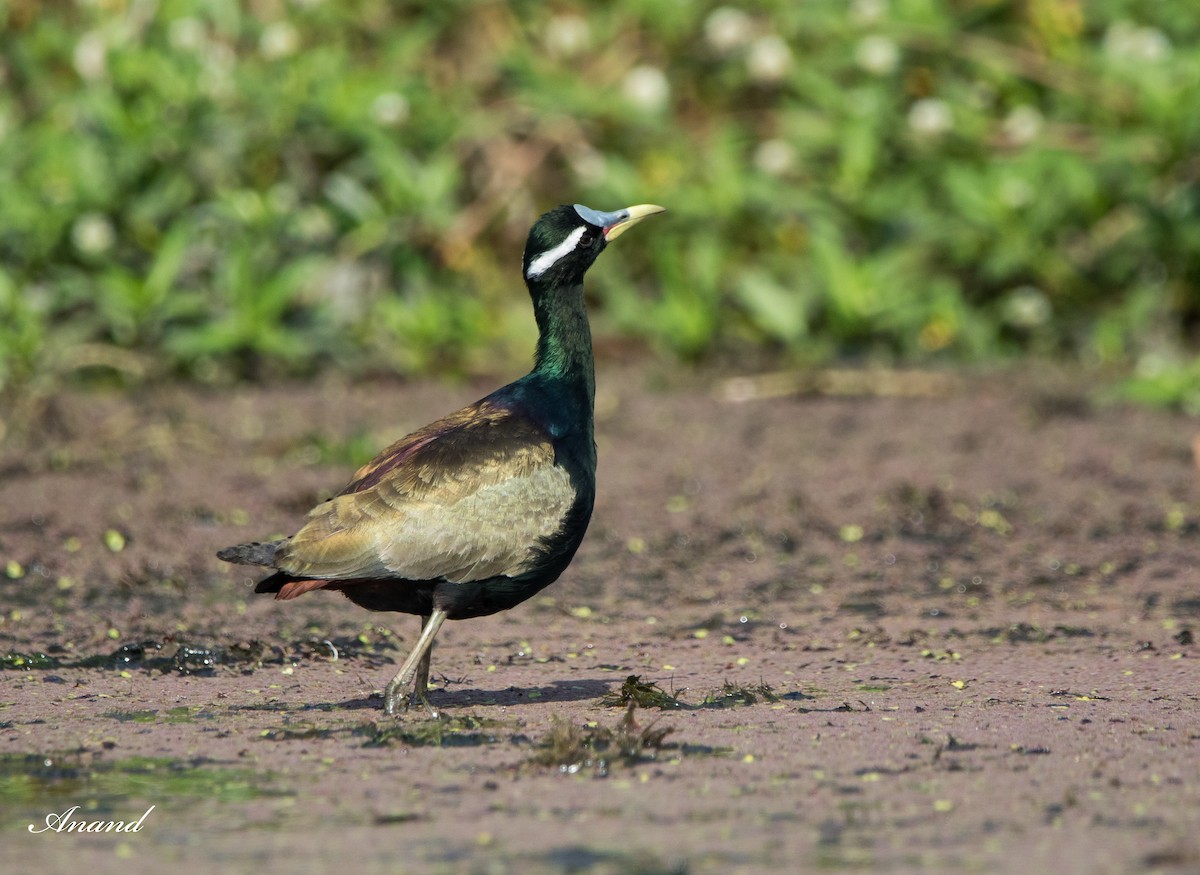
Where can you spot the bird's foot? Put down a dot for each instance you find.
(395, 702)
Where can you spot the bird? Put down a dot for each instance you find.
(478, 511)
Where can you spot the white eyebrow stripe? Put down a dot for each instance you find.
(547, 259)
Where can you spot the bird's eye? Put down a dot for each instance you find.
(586, 240)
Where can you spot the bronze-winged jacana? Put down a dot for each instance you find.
(478, 511)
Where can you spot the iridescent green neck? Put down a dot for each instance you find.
(564, 348)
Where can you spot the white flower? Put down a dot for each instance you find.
(646, 88)
(768, 58)
(567, 35)
(877, 54)
(91, 56)
(187, 34)
(217, 75)
(314, 224)
(930, 117)
(344, 285)
(868, 11)
(390, 109)
(775, 157)
(727, 29)
(279, 40)
(1154, 363)
(92, 234)
(1022, 125)
(1026, 307)
(1126, 41)
(1152, 44)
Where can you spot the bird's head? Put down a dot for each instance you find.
(564, 242)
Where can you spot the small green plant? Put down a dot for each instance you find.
(572, 748)
(734, 695)
(643, 694)
(137, 309)
(259, 317)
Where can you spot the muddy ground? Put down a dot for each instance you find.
(950, 633)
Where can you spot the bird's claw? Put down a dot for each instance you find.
(417, 698)
(395, 703)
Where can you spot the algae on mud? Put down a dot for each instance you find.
(31, 785)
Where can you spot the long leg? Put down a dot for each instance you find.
(411, 669)
(421, 683)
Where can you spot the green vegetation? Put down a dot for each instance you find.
(33, 785)
(734, 695)
(221, 190)
(643, 694)
(597, 748)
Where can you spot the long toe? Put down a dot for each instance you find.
(419, 699)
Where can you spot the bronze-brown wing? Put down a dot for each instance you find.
(462, 428)
(469, 497)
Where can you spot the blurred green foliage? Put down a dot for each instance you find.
(223, 189)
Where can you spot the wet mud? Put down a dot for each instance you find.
(945, 633)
